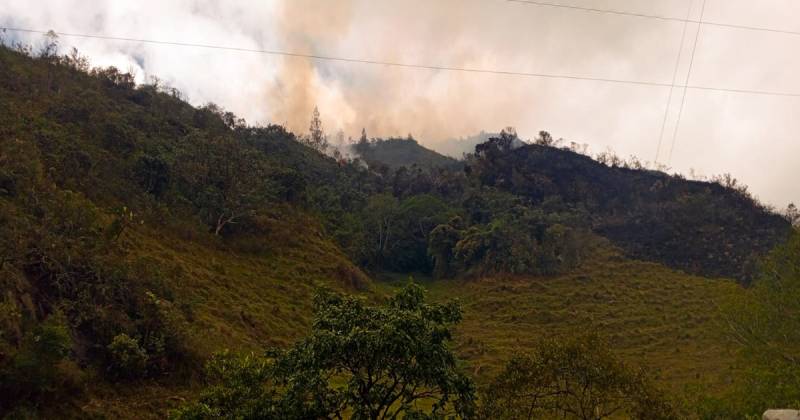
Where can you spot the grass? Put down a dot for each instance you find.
(242, 301)
(653, 316)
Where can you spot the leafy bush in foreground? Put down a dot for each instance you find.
(578, 378)
(361, 361)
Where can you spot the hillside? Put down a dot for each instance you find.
(397, 153)
(139, 235)
(99, 240)
(654, 316)
(701, 227)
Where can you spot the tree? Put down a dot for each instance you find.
(153, 174)
(49, 50)
(316, 136)
(545, 139)
(225, 180)
(792, 215)
(763, 321)
(577, 378)
(516, 240)
(362, 146)
(490, 163)
(360, 361)
(443, 239)
(33, 370)
(416, 217)
(765, 325)
(380, 219)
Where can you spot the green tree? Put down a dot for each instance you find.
(128, 359)
(417, 216)
(33, 371)
(380, 219)
(443, 239)
(765, 324)
(225, 179)
(577, 378)
(153, 174)
(360, 361)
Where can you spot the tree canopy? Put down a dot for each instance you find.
(764, 325)
(360, 361)
(577, 378)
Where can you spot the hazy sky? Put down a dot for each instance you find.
(756, 138)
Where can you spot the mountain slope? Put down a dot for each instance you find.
(396, 153)
(108, 199)
(134, 226)
(702, 227)
(653, 316)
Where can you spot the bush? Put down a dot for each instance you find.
(577, 378)
(32, 373)
(519, 241)
(360, 361)
(764, 326)
(127, 359)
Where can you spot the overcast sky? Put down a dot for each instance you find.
(756, 138)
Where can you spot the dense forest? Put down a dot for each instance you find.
(134, 225)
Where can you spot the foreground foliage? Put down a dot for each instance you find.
(360, 361)
(578, 378)
(765, 325)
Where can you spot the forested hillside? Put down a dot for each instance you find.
(140, 236)
(711, 228)
(137, 232)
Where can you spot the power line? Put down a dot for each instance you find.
(409, 65)
(657, 17)
(688, 76)
(348, 60)
(596, 10)
(748, 28)
(674, 79)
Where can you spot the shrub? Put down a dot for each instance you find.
(577, 378)
(127, 359)
(32, 373)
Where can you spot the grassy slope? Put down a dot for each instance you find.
(239, 301)
(655, 317)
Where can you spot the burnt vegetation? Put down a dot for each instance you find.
(715, 229)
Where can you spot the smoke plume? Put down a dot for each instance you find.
(719, 132)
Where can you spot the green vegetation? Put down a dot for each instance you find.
(651, 316)
(578, 379)
(519, 240)
(764, 324)
(139, 236)
(359, 362)
(126, 216)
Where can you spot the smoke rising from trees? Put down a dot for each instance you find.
(719, 132)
